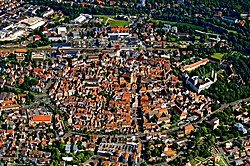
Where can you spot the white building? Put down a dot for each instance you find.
(48, 13)
(82, 18)
(198, 83)
(61, 30)
(2, 34)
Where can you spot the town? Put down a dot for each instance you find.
(120, 89)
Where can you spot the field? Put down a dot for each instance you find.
(112, 22)
(104, 17)
(218, 56)
(222, 162)
(232, 31)
(115, 22)
(197, 37)
(178, 23)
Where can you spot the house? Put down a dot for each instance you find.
(180, 112)
(188, 129)
(38, 56)
(76, 35)
(229, 145)
(125, 157)
(7, 96)
(20, 52)
(238, 162)
(2, 81)
(61, 30)
(229, 19)
(72, 53)
(36, 37)
(240, 127)
(75, 149)
(244, 14)
(20, 58)
(215, 122)
(40, 118)
(67, 148)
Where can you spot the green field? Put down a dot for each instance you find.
(177, 23)
(118, 22)
(104, 17)
(232, 31)
(218, 56)
(197, 37)
(222, 161)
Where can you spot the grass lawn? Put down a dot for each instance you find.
(173, 39)
(201, 158)
(118, 22)
(218, 56)
(222, 162)
(178, 23)
(104, 17)
(233, 31)
(193, 162)
(197, 37)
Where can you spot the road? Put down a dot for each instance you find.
(223, 106)
(77, 48)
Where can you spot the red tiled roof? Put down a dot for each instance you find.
(20, 50)
(41, 118)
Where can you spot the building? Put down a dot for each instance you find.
(40, 118)
(3, 34)
(215, 122)
(230, 19)
(61, 45)
(61, 30)
(38, 56)
(199, 83)
(240, 127)
(67, 148)
(195, 65)
(188, 129)
(33, 22)
(81, 18)
(48, 13)
(7, 96)
(20, 52)
(36, 37)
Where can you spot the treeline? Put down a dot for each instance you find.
(239, 41)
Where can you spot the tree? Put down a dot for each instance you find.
(155, 152)
(61, 146)
(175, 118)
(31, 97)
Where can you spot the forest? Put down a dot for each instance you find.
(231, 89)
